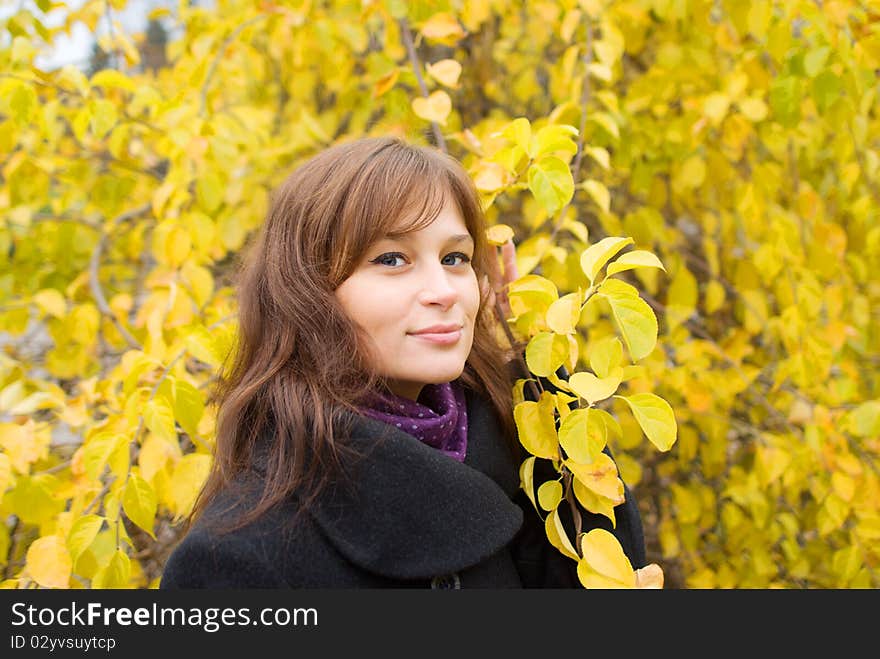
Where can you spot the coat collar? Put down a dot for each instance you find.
(415, 513)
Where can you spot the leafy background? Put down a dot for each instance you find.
(736, 140)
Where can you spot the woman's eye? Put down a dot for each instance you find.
(458, 255)
(387, 259)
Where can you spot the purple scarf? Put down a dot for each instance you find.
(438, 418)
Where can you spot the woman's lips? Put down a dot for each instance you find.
(441, 338)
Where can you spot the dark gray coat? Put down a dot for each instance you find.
(416, 518)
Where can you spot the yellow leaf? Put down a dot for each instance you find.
(435, 107)
(714, 296)
(599, 476)
(715, 107)
(115, 574)
(518, 131)
(607, 122)
(593, 389)
(113, 79)
(634, 318)
(98, 449)
(499, 234)
(600, 155)
(527, 478)
(201, 344)
(49, 563)
(655, 417)
(446, 72)
(139, 503)
(636, 259)
(557, 536)
(605, 355)
(562, 315)
(489, 176)
(596, 256)
(159, 418)
(443, 27)
(594, 502)
(598, 193)
(200, 281)
(534, 284)
(536, 426)
(23, 444)
(582, 435)
(52, 302)
(549, 495)
(553, 138)
(600, 71)
(189, 406)
(753, 108)
(691, 174)
(187, 480)
(6, 478)
(550, 180)
(650, 576)
(83, 533)
(545, 353)
(604, 556)
(102, 117)
(386, 82)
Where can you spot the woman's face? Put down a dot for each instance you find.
(404, 286)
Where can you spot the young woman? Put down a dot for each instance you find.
(365, 435)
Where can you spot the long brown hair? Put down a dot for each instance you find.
(300, 364)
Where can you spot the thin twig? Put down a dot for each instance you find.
(414, 60)
(585, 98)
(216, 61)
(94, 282)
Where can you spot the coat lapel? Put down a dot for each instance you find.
(412, 512)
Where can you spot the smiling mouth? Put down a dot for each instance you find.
(441, 338)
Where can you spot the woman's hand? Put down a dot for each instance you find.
(495, 284)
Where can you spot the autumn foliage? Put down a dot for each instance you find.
(692, 185)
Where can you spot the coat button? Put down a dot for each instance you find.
(446, 582)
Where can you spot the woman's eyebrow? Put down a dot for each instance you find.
(405, 238)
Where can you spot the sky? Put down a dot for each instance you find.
(76, 48)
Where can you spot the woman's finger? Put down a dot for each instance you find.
(508, 257)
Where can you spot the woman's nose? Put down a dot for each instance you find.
(438, 288)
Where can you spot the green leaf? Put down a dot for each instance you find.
(785, 99)
(596, 256)
(634, 318)
(655, 417)
(551, 182)
(139, 503)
